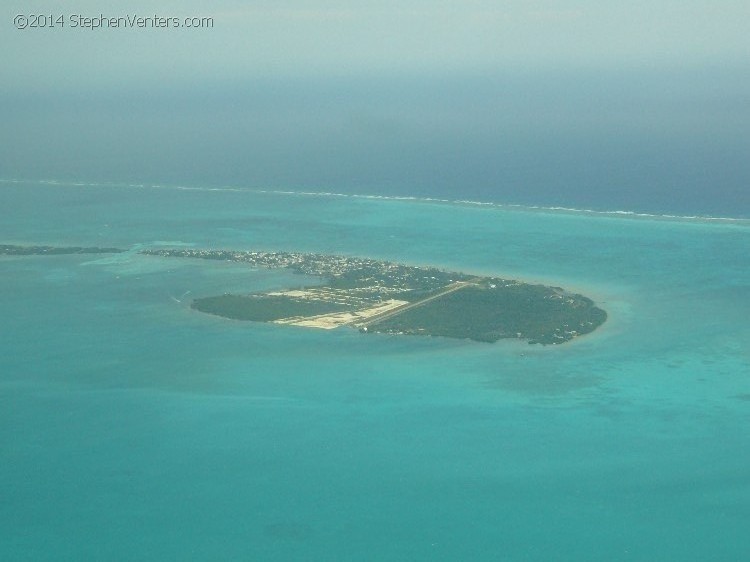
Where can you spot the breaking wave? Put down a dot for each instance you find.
(434, 200)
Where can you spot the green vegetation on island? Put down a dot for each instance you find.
(488, 311)
(263, 308)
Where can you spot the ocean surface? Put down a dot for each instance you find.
(133, 428)
(651, 139)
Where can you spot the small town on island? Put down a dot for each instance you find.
(376, 296)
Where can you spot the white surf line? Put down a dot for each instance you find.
(182, 296)
(503, 206)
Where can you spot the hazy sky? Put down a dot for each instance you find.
(278, 37)
(567, 102)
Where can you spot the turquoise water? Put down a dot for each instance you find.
(132, 428)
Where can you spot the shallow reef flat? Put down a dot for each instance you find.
(13, 250)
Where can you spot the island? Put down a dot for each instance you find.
(377, 296)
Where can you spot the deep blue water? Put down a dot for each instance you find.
(132, 428)
(665, 140)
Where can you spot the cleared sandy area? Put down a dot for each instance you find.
(336, 319)
(293, 293)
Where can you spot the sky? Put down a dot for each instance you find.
(345, 37)
(517, 101)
